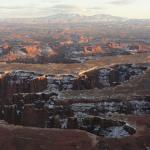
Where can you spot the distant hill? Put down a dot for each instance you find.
(82, 18)
(75, 18)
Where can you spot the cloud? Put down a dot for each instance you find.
(96, 8)
(121, 2)
(45, 9)
(65, 7)
(62, 8)
(15, 8)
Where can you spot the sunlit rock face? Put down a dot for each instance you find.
(92, 50)
(106, 77)
(32, 51)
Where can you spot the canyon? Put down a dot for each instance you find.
(65, 103)
(72, 82)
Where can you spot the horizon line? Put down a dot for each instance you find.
(45, 16)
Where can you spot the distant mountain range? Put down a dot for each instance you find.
(75, 18)
(82, 18)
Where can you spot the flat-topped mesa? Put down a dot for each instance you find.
(31, 82)
(107, 77)
(21, 82)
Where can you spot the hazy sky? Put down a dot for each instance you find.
(38, 8)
